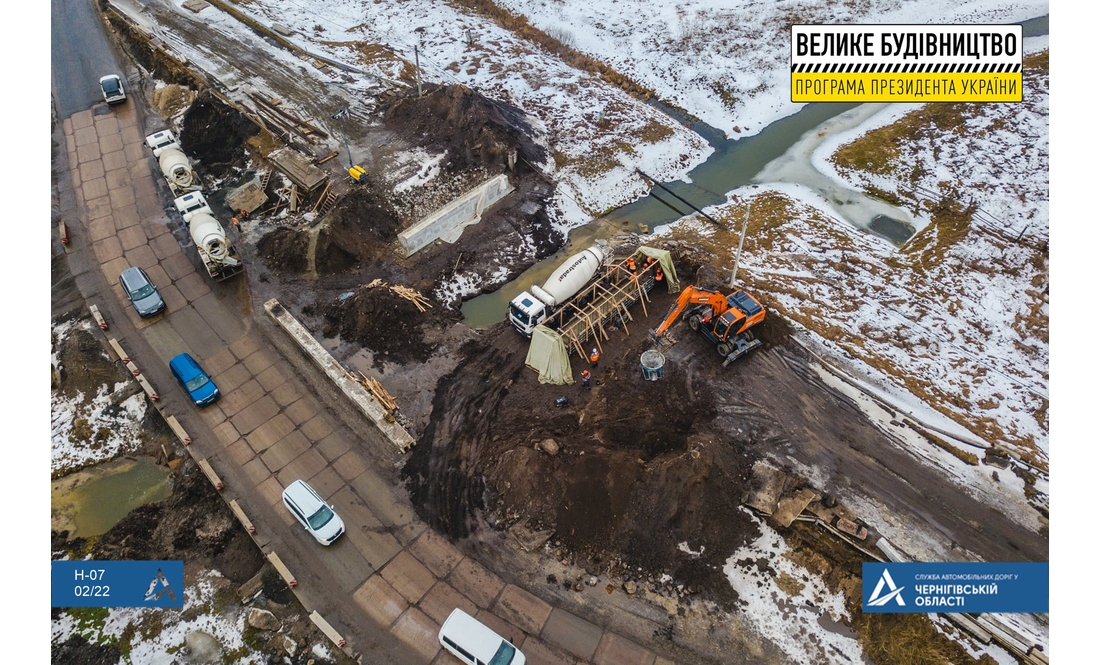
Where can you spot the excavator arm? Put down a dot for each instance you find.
(692, 296)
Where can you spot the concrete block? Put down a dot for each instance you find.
(239, 512)
(284, 572)
(447, 222)
(327, 629)
(180, 433)
(211, 475)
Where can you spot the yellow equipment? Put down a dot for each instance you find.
(357, 173)
(724, 320)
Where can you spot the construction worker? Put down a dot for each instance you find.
(649, 260)
(586, 379)
(594, 358)
(631, 267)
(659, 276)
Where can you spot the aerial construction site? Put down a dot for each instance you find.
(666, 363)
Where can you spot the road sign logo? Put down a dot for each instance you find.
(160, 587)
(879, 600)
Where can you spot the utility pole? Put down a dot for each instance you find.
(416, 53)
(340, 115)
(737, 258)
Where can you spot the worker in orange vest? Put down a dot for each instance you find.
(594, 358)
(659, 275)
(631, 267)
(586, 379)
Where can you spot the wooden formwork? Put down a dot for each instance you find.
(609, 299)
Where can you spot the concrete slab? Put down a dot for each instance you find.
(213, 415)
(474, 581)
(217, 364)
(175, 301)
(135, 152)
(192, 286)
(256, 471)
(155, 226)
(259, 361)
(245, 346)
(255, 414)
(107, 249)
(149, 206)
(286, 394)
(663, 661)
(85, 135)
(100, 229)
(379, 497)
(91, 170)
(334, 446)
(106, 124)
(272, 492)
(272, 378)
(109, 143)
(379, 600)
(239, 453)
(113, 268)
(350, 465)
(306, 465)
(297, 167)
(435, 552)
(116, 178)
(317, 428)
(540, 653)
(233, 378)
(442, 599)
(141, 255)
(791, 507)
(159, 277)
(419, 633)
(302, 410)
(266, 435)
(522, 608)
(617, 650)
(121, 197)
(283, 451)
(177, 266)
(327, 483)
(88, 153)
(133, 236)
(229, 328)
(81, 120)
(411, 579)
(767, 484)
(95, 193)
(227, 435)
(163, 246)
(572, 634)
(345, 564)
(115, 161)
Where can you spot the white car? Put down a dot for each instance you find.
(311, 511)
(113, 92)
(474, 643)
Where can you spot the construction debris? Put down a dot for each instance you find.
(412, 295)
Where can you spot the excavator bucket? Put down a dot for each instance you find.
(742, 345)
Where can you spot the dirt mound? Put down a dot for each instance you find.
(641, 466)
(215, 133)
(474, 130)
(168, 101)
(285, 250)
(193, 522)
(382, 321)
(85, 365)
(79, 651)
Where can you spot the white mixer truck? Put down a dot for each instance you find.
(528, 310)
(173, 163)
(216, 252)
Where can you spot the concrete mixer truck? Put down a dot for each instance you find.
(216, 252)
(173, 163)
(529, 309)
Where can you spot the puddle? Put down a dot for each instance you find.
(90, 502)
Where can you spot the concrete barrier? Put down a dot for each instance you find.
(327, 629)
(211, 475)
(98, 317)
(447, 222)
(283, 570)
(239, 512)
(118, 349)
(359, 395)
(180, 433)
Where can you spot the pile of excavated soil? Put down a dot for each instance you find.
(285, 250)
(384, 322)
(642, 466)
(474, 130)
(192, 523)
(170, 99)
(215, 134)
(85, 366)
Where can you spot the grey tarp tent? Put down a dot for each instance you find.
(664, 257)
(549, 357)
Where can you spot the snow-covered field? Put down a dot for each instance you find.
(88, 429)
(727, 61)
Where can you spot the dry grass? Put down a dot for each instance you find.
(966, 456)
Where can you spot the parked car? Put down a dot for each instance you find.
(311, 511)
(141, 291)
(474, 643)
(196, 382)
(113, 92)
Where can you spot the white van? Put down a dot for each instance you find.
(474, 643)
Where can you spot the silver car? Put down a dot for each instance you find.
(141, 291)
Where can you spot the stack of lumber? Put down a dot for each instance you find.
(412, 295)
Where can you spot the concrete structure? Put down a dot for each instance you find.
(299, 169)
(447, 222)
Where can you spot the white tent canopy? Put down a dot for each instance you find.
(549, 357)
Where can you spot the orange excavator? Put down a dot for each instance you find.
(724, 320)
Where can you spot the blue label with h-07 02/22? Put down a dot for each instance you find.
(116, 583)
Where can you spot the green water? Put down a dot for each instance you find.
(90, 502)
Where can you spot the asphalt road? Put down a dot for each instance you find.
(79, 55)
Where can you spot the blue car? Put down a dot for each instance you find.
(197, 383)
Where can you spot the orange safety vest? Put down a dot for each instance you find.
(630, 265)
(586, 375)
(659, 275)
(595, 357)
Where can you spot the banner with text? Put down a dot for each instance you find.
(956, 587)
(906, 63)
(116, 583)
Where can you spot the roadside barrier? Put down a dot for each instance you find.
(283, 570)
(63, 231)
(327, 629)
(239, 512)
(211, 475)
(98, 317)
(180, 433)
